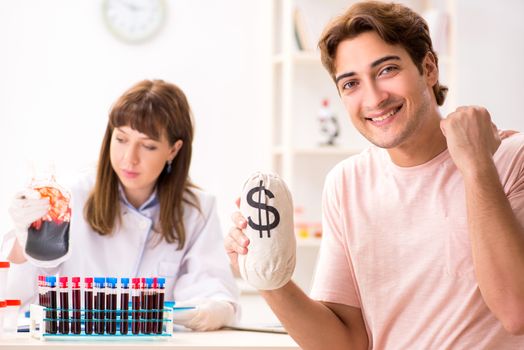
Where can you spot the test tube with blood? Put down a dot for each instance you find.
(41, 290)
(63, 324)
(44, 299)
(143, 306)
(124, 305)
(154, 307)
(160, 291)
(88, 304)
(150, 304)
(135, 300)
(111, 305)
(100, 305)
(51, 301)
(76, 324)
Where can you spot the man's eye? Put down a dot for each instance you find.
(387, 70)
(349, 85)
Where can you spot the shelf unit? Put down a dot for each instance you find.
(300, 83)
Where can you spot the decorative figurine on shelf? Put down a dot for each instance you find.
(329, 127)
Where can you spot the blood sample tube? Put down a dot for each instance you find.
(100, 305)
(124, 305)
(160, 291)
(135, 301)
(150, 304)
(154, 317)
(88, 304)
(51, 301)
(45, 301)
(63, 323)
(111, 305)
(41, 290)
(76, 324)
(143, 306)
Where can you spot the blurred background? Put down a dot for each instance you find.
(250, 71)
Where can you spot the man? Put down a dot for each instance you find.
(423, 243)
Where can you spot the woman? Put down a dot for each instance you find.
(141, 215)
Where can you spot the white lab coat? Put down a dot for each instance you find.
(199, 270)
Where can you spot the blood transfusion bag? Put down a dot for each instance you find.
(48, 237)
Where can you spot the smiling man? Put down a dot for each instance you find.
(423, 244)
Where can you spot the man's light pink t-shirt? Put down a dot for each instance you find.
(396, 245)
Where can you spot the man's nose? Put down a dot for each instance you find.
(374, 96)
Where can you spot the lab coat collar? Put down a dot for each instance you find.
(148, 204)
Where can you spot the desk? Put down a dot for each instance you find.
(181, 340)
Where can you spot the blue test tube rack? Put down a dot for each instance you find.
(109, 320)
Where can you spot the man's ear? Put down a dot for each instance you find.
(430, 69)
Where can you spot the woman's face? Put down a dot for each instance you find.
(138, 160)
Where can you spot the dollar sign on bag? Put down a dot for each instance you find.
(262, 207)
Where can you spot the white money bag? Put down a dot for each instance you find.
(267, 206)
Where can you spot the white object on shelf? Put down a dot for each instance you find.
(329, 125)
(301, 31)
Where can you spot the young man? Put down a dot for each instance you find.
(423, 242)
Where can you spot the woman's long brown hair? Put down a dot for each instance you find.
(151, 107)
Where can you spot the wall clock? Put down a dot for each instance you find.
(134, 21)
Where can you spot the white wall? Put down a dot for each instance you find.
(489, 54)
(61, 69)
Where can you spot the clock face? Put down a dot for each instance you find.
(134, 21)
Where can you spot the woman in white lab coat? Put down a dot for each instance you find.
(140, 215)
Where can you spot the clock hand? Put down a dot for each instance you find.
(129, 5)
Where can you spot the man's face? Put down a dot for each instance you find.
(384, 93)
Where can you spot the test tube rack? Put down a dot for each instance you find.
(39, 318)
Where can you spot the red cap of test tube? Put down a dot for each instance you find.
(135, 283)
(62, 282)
(88, 282)
(41, 280)
(75, 282)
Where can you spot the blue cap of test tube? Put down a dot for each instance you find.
(51, 281)
(100, 282)
(160, 281)
(111, 282)
(149, 282)
(124, 281)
